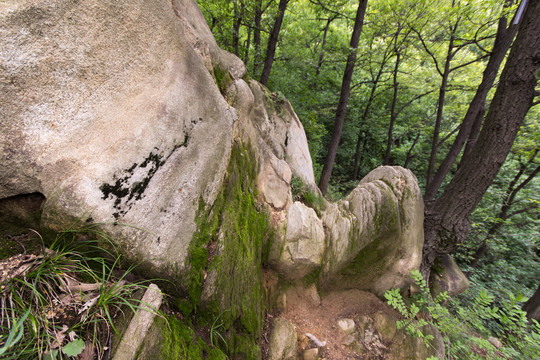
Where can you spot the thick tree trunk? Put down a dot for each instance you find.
(532, 306)
(344, 98)
(475, 113)
(447, 218)
(272, 42)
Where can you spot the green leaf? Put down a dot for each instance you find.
(53, 355)
(74, 348)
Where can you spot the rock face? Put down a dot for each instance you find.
(375, 234)
(102, 114)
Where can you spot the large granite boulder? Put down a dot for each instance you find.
(109, 112)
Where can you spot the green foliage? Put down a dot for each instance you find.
(464, 327)
(59, 320)
(309, 196)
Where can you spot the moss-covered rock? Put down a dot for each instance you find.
(226, 257)
(171, 339)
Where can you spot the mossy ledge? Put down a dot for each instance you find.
(226, 258)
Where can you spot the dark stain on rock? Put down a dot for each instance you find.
(124, 191)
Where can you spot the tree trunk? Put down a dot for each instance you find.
(248, 44)
(321, 54)
(272, 42)
(440, 108)
(447, 218)
(257, 36)
(409, 153)
(344, 98)
(475, 113)
(506, 204)
(532, 306)
(389, 139)
(236, 27)
(356, 165)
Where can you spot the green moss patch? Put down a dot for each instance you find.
(229, 242)
(223, 79)
(170, 338)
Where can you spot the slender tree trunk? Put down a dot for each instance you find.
(248, 44)
(257, 36)
(409, 153)
(344, 98)
(507, 202)
(321, 54)
(356, 165)
(389, 139)
(440, 108)
(532, 306)
(447, 218)
(475, 113)
(272, 42)
(238, 14)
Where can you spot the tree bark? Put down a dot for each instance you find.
(321, 54)
(272, 42)
(475, 113)
(257, 36)
(356, 165)
(440, 108)
(393, 116)
(447, 218)
(344, 98)
(236, 27)
(532, 306)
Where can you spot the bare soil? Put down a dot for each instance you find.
(319, 316)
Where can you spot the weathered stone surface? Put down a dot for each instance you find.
(408, 347)
(375, 235)
(311, 354)
(448, 277)
(109, 112)
(346, 325)
(385, 325)
(282, 343)
(139, 325)
(304, 242)
(274, 182)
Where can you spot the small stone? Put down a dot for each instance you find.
(346, 325)
(311, 354)
(282, 344)
(303, 341)
(348, 340)
(281, 303)
(495, 342)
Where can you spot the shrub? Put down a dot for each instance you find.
(464, 328)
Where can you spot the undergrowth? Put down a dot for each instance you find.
(466, 329)
(61, 301)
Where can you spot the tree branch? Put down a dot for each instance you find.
(428, 51)
(469, 62)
